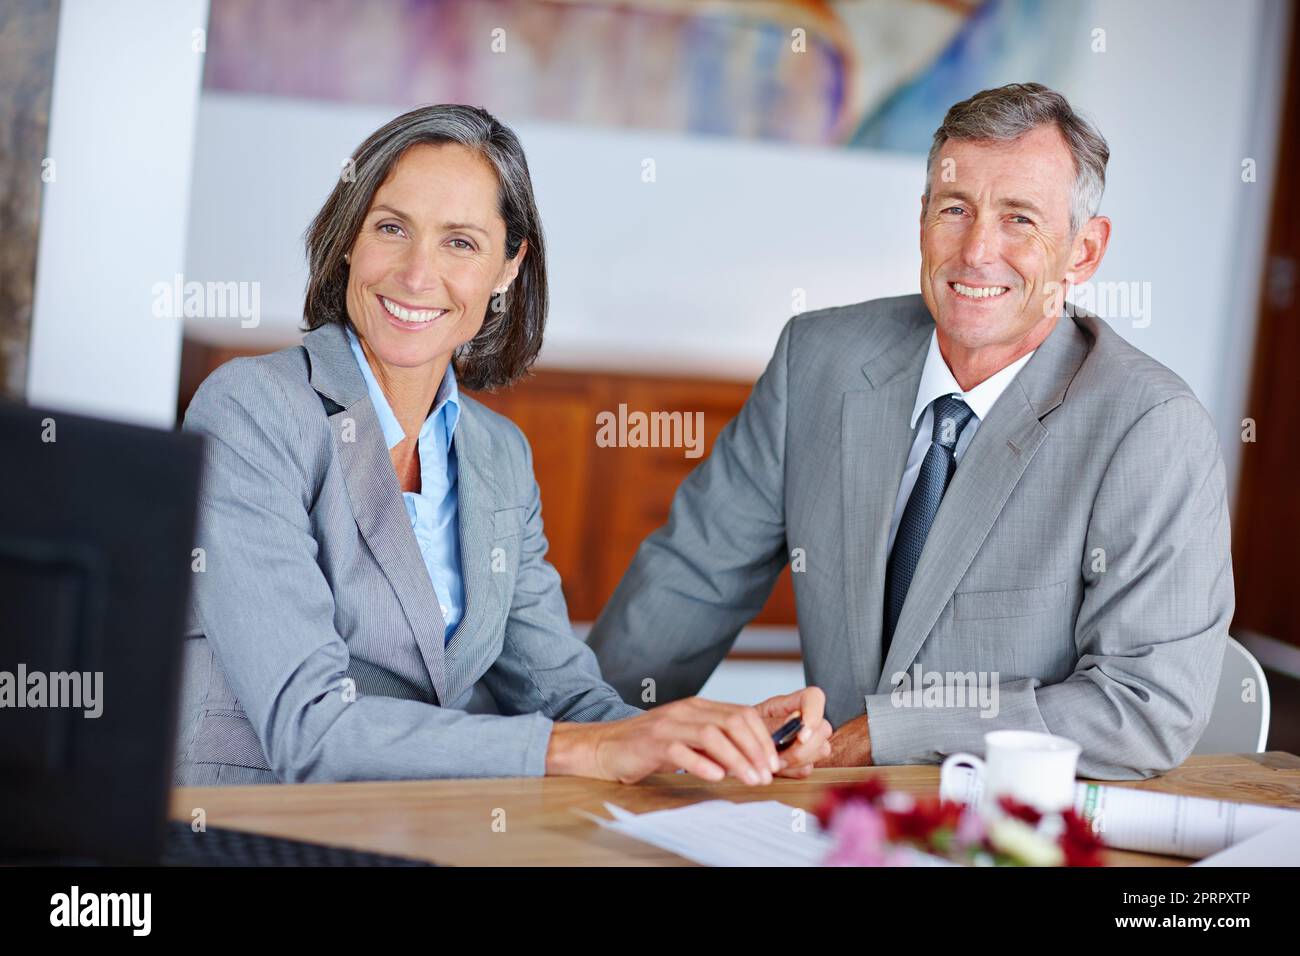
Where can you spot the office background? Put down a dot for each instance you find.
(703, 172)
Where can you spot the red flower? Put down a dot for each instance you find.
(1082, 846)
(920, 824)
(1020, 811)
(867, 791)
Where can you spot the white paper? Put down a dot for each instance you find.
(1276, 846)
(722, 833)
(1146, 821)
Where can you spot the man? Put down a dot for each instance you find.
(973, 484)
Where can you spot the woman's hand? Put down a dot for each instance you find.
(703, 737)
(813, 742)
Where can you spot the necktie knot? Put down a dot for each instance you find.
(950, 417)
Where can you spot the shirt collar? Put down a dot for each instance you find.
(448, 397)
(937, 381)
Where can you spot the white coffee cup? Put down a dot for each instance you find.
(1037, 769)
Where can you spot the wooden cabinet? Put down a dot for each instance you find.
(599, 503)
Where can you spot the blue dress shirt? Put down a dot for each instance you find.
(433, 510)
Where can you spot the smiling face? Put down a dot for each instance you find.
(430, 253)
(996, 247)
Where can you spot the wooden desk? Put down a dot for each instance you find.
(451, 821)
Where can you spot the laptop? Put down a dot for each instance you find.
(97, 523)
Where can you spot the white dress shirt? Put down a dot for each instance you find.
(936, 382)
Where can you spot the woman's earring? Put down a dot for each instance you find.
(498, 303)
(347, 257)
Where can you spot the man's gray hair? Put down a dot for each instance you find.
(1009, 112)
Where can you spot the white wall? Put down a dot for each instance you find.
(126, 81)
(695, 270)
(1184, 92)
(1247, 273)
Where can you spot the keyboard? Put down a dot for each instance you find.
(218, 846)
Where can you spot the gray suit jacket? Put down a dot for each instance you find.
(311, 576)
(1079, 560)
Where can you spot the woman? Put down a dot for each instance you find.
(373, 562)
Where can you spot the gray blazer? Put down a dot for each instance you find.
(315, 648)
(1080, 558)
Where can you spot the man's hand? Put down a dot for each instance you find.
(850, 745)
(813, 742)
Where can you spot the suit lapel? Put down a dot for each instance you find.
(874, 457)
(989, 471)
(375, 495)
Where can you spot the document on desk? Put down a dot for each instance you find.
(1152, 822)
(1276, 846)
(722, 833)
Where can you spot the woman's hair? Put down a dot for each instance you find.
(507, 344)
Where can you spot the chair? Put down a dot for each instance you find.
(1236, 725)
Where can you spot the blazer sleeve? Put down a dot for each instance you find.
(704, 575)
(1152, 628)
(268, 612)
(542, 666)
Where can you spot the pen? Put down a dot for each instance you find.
(785, 735)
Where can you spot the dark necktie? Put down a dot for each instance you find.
(950, 417)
